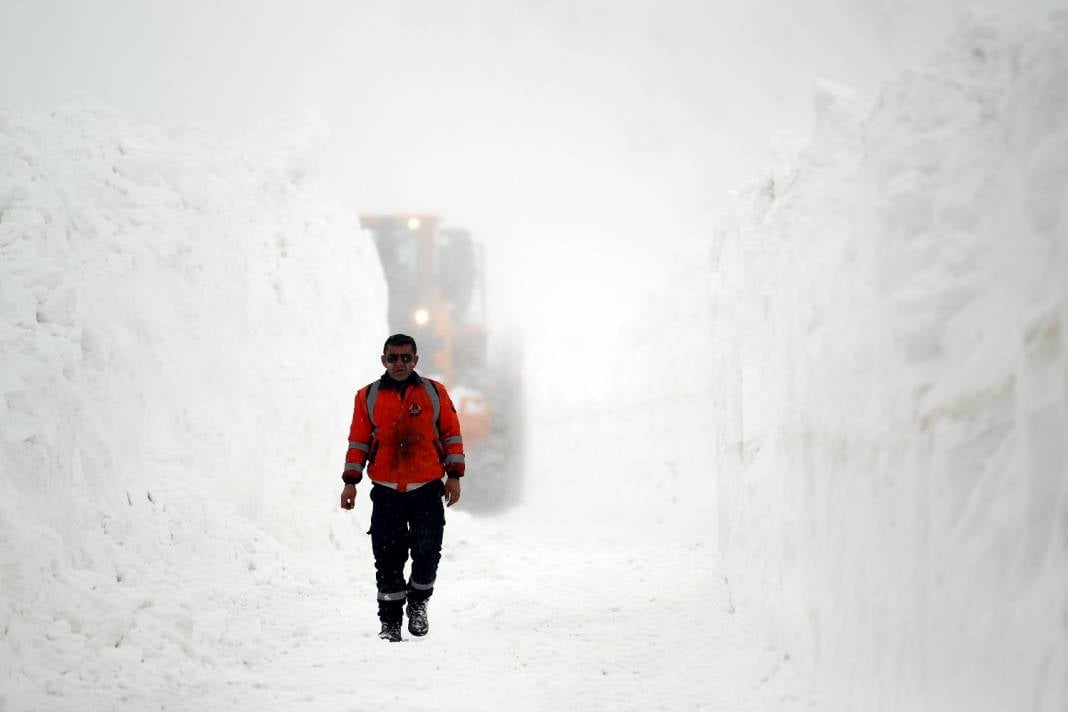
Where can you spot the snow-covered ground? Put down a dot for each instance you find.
(523, 620)
(847, 490)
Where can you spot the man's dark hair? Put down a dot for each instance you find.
(399, 340)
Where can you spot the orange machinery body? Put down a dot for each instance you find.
(430, 274)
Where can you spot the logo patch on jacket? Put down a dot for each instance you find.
(415, 410)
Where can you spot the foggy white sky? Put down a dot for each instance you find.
(527, 121)
(432, 104)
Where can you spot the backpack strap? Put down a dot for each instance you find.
(435, 402)
(372, 396)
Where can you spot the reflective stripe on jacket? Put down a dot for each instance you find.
(404, 440)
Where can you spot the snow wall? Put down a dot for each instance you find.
(889, 319)
(183, 324)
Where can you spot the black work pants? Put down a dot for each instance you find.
(403, 522)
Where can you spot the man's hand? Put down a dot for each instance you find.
(452, 491)
(348, 497)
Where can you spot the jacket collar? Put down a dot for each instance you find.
(387, 382)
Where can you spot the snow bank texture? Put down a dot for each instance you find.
(891, 321)
(181, 322)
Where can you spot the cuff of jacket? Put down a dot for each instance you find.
(457, 475)
(352, 479)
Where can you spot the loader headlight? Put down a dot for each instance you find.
(421, 316)
(414, 223)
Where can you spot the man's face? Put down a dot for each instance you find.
(399, 361)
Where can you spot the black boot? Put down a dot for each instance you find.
(418, 625)
(391, 631)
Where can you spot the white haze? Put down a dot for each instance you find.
(529, 122)
(694, 370)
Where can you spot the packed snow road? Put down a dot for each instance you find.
(521, 620)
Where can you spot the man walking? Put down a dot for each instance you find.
(405, 430)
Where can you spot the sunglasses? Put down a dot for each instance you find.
(392, 358)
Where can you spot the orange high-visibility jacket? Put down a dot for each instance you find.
(404, 441)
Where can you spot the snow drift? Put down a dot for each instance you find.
(182, 325)
(889, 318)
